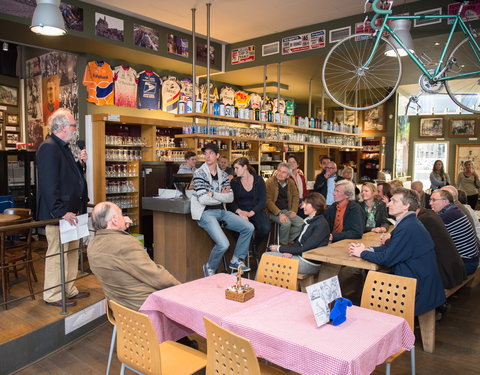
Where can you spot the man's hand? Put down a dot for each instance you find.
(71, 218)
(330, 238)
(355, 249)
(226, 190)
(379, 230)
(274, 248)
(384, 238)
(283, 218)
(250, 213)
(287, 255)
(292, 214)
(83, 156)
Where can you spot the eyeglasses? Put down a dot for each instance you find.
(436, 199)
(330, 168)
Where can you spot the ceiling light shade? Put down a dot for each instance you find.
(47, 19)
(402, 30)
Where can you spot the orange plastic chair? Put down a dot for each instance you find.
(393, 295)
(278, 271)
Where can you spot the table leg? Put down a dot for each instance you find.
(427, 328)
(328, 270)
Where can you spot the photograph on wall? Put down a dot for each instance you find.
(243, 54)
(68, 97)
(22, 9)
(50, 95)
(12, 119)
(109, 27)
(67, 64)
(345, 117)
(13, 138)
(427, 21)
(145, 37)
(1, 133)
(270, 49)
(8, 95)
(73, 16)
(49, 64)
(202, 53)
(177, 45)
(336, 35)
(431, 127)
(463, 127)
(466, 152)
(374, 119)
(33, 67)
(34, 97)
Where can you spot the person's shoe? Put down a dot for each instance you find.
(59, 303)
(187, 342)
(80, 295)
(207, 271)
(234, 266)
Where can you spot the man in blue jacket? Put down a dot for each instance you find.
(410, 251)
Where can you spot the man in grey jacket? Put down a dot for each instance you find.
(211, 192)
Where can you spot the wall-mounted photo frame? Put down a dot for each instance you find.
(427, 21)
(13, 138)
(431, 127)
(463, 127)
(8, 95)
(337, 35)
(11, 129)
(346, 117)
(1, 133)
(374, 120)
(12, 119)
(2, 115)
(464, 152)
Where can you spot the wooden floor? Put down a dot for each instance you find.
(29, 315)
(457, 344)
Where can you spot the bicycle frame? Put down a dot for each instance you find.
(437, 75)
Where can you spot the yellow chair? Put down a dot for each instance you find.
(138, 348)
(393, 295)
(228, 353)
(278, 271)
(111, 319)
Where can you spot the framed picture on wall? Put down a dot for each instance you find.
(13, 138)
(8, 95)
(464, 152)
(346, 117)
(12, 119)
(463, 127)
(431, 127)
(374, 119)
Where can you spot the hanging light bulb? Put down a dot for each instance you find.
(402, 30)
(47, 18)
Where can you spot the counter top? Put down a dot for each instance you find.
(176, 206)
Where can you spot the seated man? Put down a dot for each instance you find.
(345, 216)
(460, 229)
(224, 165)
(120, 263)
(211, 192)
(325, 182)
(189, 166)
(410, 251)
(282, 204)
(424, 197)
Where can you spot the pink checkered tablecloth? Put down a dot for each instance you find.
(281, 326)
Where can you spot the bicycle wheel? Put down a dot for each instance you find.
(465, 91)
(349, 84)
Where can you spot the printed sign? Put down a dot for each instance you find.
(243, 54)
(470, 12)
(366, 28)
(303, 42)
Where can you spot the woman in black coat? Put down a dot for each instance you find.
(315, 233)
(375, 210)
(249, 196)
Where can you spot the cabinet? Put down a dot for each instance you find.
(373, 158)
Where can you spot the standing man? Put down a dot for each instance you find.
(282, 204)
(62, 193)
(410, 251)
(211, 191)
(325, 182)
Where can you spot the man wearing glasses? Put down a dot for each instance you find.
(459, 228)
(61, 193)
(325, 182)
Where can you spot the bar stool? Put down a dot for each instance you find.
(275, 233)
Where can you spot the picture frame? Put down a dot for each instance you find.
(12, 138)
(9, 95)
(337, 35)
(463, 127)
(427, 21)
(11, 129)
(431, 127)
(374, 120)
(12, 119)
(347, 117)
(2, 115)
(464, 152)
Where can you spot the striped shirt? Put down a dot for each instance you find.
(461, 231)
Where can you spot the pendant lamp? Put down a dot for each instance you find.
(402, 30)
(47, 18)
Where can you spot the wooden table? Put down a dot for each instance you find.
(6, 218)
(335, 256)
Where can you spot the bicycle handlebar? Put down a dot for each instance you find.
(376, 9)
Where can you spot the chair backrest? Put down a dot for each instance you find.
(22, 212)
(228, 353)
(137, 343)
(278, 271)
(14, 232)
(390, 294)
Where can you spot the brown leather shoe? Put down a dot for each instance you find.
(59, 303)
(80, 295)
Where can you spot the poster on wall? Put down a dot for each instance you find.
(108, 27)
(202, 53)
(470, 12)
(177, 45)
(73, 16)
(303, 42)
(243, 54)
(145, 37)
(366, 28)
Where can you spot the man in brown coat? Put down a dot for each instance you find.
(282, 204)
(123, 268)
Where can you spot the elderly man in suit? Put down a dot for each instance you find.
(62, 193)
(118, 260)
